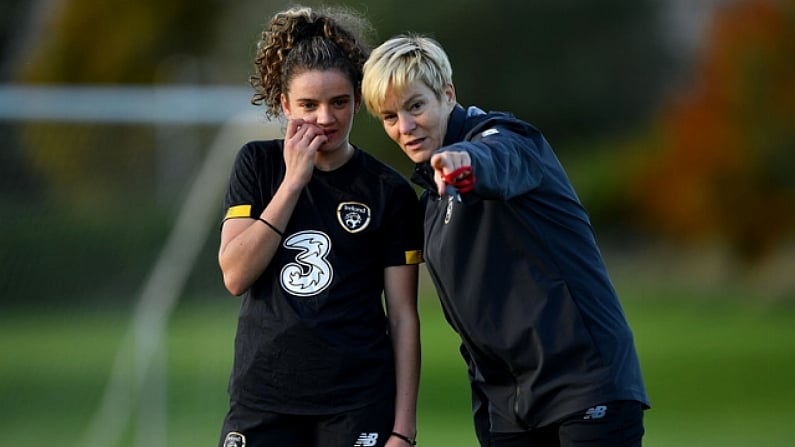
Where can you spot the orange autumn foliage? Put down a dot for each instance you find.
(725, 160)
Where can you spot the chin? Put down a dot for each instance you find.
(329, 147)
(423, 156)
(419, 158)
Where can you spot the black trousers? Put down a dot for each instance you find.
(613, 424)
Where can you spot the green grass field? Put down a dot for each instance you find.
(719, 374)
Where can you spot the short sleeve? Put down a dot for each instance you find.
(403, 228)
(250, 183)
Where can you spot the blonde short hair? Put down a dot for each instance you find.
(401, 61)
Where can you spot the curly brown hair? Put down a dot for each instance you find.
(300, 39)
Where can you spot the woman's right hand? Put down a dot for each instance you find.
(301, 143)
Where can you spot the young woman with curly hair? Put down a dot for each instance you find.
(315, 232)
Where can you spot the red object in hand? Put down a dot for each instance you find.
(462, 179)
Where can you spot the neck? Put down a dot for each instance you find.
(329, 161)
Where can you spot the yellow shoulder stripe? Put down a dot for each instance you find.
(238, 211)
(414, 257)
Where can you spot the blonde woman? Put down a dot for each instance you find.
(512, 254)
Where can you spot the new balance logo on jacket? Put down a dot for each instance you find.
(597, 412)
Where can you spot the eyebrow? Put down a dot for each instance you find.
(411, 99)
(403, 105)
(334, 98)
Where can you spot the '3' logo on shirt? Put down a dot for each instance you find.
(310, 274)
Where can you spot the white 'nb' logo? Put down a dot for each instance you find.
(366, 440)
(596, 412)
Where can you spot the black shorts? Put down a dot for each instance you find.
(615, 424)
(369, 426)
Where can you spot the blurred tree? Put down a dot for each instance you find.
(93, 228)
(94, 41)
(17, 183)
(725, 149)
(578, 70)
(10, 31)
(583, 72)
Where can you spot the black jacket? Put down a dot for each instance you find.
(522, 281)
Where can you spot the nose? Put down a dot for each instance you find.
(324, 115)
(406, 123)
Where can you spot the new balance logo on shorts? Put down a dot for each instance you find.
(597, 412)
(366, 440)
(234, 439)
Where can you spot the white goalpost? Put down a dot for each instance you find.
(138, 377)
(137, 386)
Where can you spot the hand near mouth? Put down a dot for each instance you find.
(301, 142)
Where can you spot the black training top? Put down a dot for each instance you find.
(312, 335)
(520, 277)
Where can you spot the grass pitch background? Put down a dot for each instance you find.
(719, 373)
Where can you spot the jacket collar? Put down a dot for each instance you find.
(456, 126)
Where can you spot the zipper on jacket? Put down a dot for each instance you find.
(517, 393)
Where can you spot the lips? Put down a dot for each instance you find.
(415, 144)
